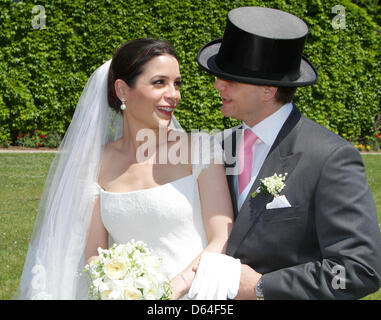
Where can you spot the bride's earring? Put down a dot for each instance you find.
(123, 105)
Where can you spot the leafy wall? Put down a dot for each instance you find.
(43, 71)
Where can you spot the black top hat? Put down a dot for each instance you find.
(260, 46)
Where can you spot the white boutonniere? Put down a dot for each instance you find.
(271, 185)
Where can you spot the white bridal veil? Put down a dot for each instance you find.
(56, 253)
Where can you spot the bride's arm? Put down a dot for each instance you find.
(216, 205)
(97, 235)
(217, 214)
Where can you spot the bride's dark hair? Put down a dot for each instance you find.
(128, 63)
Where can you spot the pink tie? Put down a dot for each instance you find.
(245, 163)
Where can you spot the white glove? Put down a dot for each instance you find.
(217, 277)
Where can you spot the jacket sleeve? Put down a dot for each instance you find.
(348, 233)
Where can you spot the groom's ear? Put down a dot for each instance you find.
(269, 93)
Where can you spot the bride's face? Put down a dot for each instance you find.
(156, 93)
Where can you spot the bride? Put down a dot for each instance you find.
(103, 188)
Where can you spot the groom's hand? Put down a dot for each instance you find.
(247, 283)
(217, 277)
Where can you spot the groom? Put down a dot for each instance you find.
(320, 238)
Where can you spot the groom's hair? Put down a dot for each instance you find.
(285, 94)
(128, 63)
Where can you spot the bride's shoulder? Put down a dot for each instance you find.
(110, 152)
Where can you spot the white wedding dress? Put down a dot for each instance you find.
(167, 218)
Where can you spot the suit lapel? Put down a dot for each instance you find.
(280, 160)
(233, 196)
(230, 145)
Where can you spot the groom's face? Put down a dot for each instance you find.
(240, 100)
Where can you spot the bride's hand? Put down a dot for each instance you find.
(91, 259)
(180, 286)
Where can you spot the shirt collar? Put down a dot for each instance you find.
(268, 129)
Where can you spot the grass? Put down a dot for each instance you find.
(22, 178)
(373, 173)
(21, 185)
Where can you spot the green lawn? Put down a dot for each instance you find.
(22, 179)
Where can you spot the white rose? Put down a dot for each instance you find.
(156, 289)
(131, 293)
(115, 269)
(116, 294)
(142, 283)
(154, 293)
(105, 295)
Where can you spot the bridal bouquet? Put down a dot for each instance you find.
(128, 272)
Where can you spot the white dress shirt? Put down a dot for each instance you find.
(266, 131)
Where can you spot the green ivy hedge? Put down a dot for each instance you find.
(43, 71)
(372, 7)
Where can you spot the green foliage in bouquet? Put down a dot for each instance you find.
(43, 71)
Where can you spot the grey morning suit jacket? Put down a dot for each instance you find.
(332, 220)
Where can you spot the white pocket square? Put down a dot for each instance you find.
(278, 202)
